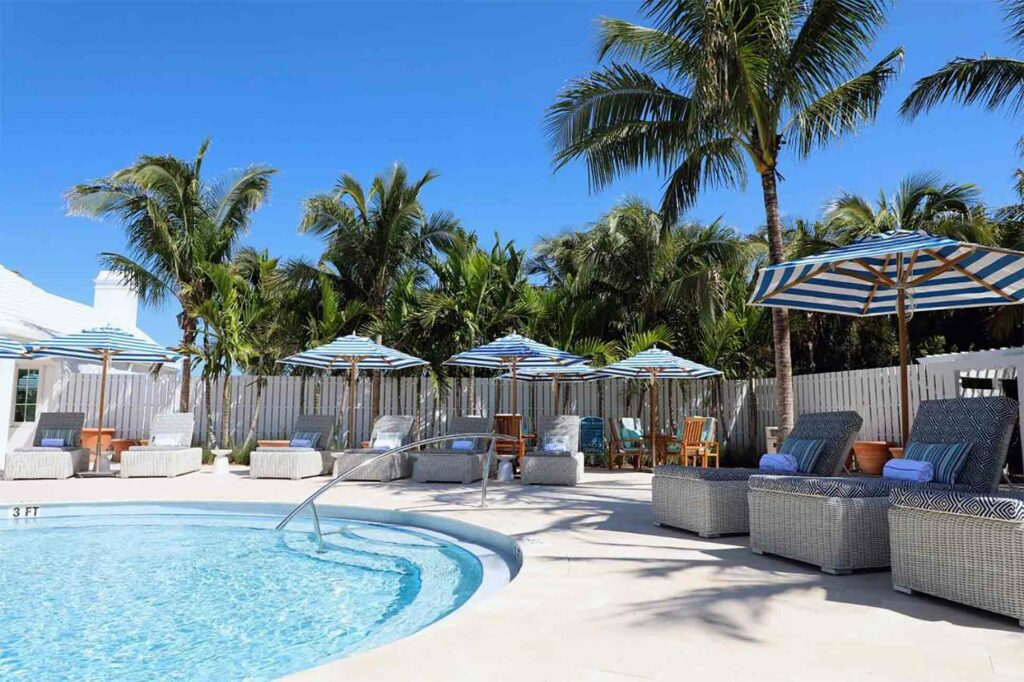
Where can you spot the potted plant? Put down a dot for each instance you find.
(871, 456)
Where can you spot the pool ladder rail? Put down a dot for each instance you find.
(310, 501)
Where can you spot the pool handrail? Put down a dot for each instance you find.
(309, 501)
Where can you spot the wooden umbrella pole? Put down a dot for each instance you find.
(558, 396)
(513, 385)
(103, 398)
(901, 317)
(654, 419)
(352, 369)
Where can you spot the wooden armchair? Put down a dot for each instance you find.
(510, 425)
(620, 449)
(685, 447)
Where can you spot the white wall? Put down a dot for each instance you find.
(116, 303)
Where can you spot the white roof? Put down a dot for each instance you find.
(978, 359)
(30, 313)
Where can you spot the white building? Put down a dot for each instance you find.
(29, 313)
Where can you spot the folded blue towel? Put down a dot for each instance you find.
(300, 443)
(918, 471)
(781, 463)
(52, 442)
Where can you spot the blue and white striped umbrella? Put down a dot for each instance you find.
(865, 278)
(103, 343)
(354, 353)
(659, 364)
(654, 364)
(12, 350)
(896, 272)
(514, 353)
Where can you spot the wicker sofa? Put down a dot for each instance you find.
(964, 547)
(398, 465)
(164, 460)
(296, 463)
(564, 467)
(713, 501)
(50, 462)
(446, 465)
(841, 524)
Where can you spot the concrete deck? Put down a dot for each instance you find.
(606, 595)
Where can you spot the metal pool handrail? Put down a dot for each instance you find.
(309, 501)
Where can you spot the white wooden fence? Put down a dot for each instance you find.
(744, 408)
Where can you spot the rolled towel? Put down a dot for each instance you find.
(918, 471)
(781, 463)
(52, 442)
(462, 445)
(300, 443)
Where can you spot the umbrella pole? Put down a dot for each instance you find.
(558, 396)
(351, 402)
(901, 317)
(103, 398)
(654, 419)
(513, 384)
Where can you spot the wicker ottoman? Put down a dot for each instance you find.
(962, 547)
(449, 467)
(293, 463)
(706, 501)
(142, 461)
(561, 469)
(40, 462)
(394, 467)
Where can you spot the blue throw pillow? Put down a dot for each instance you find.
(946, 458)
(805, 451)
(310, 438)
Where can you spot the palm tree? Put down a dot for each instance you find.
(990, 81)
(372, 236)
(174, 223)
(715, 86)
(923, 201)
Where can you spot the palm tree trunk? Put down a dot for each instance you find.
(188, 337)
(250, 437)
(211, 435)
(780, 316)
(225, 411)
(471, 392)
(318, 390)
(302, 393)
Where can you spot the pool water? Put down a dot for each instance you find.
(213, 597)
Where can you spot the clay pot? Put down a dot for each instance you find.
(871, 456)
(897, 453)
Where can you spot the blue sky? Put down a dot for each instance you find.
(460, 87)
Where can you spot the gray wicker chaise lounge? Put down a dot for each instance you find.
(841, 524)
(713, 501)
(448, 465)
(398, 465)
(298, 462)
(963, 547)
(50, 462)
(561, 467)
(164, 459)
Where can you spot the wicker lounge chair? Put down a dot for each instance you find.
(841, 524)
(399, 465)
(447, 465)
(164, 460)
(959, 546)
(51, 462)
(563, 467)
(713, 501)
(296, 463)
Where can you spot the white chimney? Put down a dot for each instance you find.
(114, 300)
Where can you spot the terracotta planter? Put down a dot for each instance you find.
(871, 456)
(897, 453)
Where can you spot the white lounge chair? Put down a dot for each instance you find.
(41, 461)
(169, 453)
(397, 466)
(298, 462)
(449, 465)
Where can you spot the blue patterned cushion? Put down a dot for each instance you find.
(705, 473)
(965, 504)
(946, 458)
(837, 429)
(805, 451)
(846, 487)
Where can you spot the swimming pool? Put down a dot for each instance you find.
(212, 592)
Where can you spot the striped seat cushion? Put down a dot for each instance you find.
(946, 458)
(805, 451)
(311, 437)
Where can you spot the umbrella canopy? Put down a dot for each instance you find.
(12, 350)
(354, 353)
(891, 272)
(106, 345)
(654, 364)
(514, 353)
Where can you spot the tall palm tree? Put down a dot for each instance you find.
(173, 224)
(371, 236)
(716, 86)
(993, 82)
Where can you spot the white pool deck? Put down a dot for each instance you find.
(604, 594)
